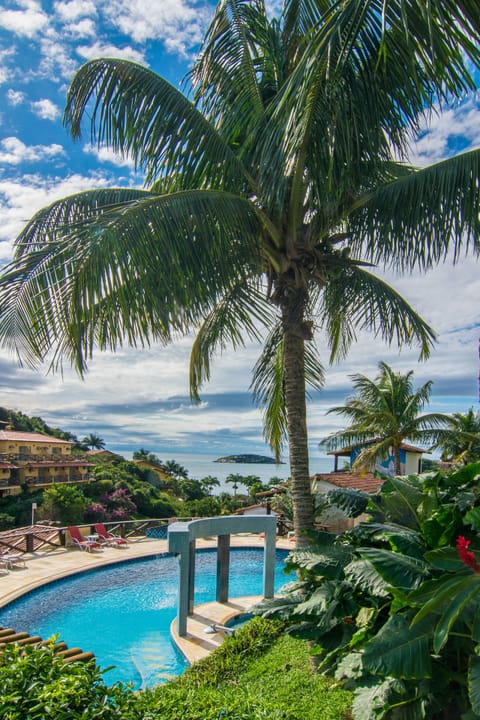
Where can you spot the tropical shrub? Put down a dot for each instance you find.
(63, 503)
(392, 606)
(36, 684)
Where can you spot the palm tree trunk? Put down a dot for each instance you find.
(296, 331)
(398, 467)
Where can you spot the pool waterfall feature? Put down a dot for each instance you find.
(181, 542)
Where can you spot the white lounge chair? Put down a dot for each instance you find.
(12, 559)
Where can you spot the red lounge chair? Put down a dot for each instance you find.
(80, 541)
(105, 537)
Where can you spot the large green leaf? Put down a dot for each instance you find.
(472, 518)
(364, 575)
(138, 114)
(445, 558)
(434, 595)
(319, 600)
(352, 502)
(452, 612)
(398, 571)
(399, 650)
(329, 562)
(474, 683)
(110, 274)
(401, 539)
(401, 500)
(372, 698)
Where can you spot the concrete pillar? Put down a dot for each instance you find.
(183, 593)
(191, 577)
(223, 567)
(269, 563)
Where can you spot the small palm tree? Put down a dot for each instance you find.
(147, 456)
(462, 443)
(175, 469)
(94, 442)
(384, 413)
(208, 483)
(235, 480)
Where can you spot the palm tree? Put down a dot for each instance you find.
(94, 442)
(235, 480)
(208, 483)
(384, 413)
(175, 469)
(269, 194)
(462, 443)
(147, 456)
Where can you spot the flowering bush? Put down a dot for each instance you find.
(465, 555)
(95, 512)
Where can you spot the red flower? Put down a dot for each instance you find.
(466, 555)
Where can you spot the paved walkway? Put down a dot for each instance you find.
(44, 567)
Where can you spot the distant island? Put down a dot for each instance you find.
(258, 459)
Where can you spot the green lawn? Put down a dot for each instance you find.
(259, 674)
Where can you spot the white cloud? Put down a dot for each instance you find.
(15, 97)
(13, 151)
(75, 9)
(106, 154)
(5, 71)
(55, 59)
(27, 22)
(178, 24)
(82, 28)
(45, 109)
(443, 130)
(102, 49)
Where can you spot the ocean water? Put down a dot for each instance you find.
(200, 466)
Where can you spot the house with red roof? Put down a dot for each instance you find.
(36, 460)
(368, 482)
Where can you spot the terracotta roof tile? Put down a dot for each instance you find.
(20, 436)
(366, 482)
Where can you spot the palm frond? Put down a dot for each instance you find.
(240, 313)
(268, 385)
(140, 115)
(132, 272)
(417, 220)
(225, 77)
(358, 300)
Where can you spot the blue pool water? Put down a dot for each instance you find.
(123, 613)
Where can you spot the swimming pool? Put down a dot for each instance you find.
(122, 613)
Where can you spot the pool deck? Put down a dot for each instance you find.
(44, 567)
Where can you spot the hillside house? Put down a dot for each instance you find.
(410, 459)
(37, 460)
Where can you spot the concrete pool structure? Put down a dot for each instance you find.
(45, 567)
(182, 538)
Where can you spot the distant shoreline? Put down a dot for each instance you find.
(246, 459)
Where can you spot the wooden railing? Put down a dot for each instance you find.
(36, 537)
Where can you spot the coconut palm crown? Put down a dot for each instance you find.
(462, 444)
(271, 192)
(385, 412)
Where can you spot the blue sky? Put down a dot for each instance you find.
(140, 398)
